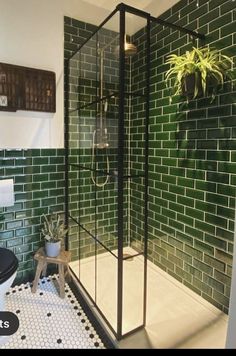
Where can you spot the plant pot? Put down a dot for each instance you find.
(53, 249)
(188, 86)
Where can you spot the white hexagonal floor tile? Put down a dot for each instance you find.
(47, 321)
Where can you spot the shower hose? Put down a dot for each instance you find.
(93, 159)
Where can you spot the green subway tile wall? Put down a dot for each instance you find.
(39, 181)
(191, 162)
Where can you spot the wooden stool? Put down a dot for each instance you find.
(62, 260)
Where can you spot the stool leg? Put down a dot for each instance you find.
(68, 273)
(37, 275)
(61, 280)
(44, 273)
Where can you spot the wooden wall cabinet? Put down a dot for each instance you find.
(23, 88)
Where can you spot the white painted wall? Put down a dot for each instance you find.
(31, 35)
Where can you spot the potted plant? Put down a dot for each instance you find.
(53, 231)
(198, 72)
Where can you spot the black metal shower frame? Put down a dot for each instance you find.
(122, 9)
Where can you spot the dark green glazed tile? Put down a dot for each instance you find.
(222, 299)
(185, 182)
(177, 225)
(218, 155)
(197, 134)
(218, 133)
(205, 227)
(176, 207)
(194, 252)
(196, 194)
(207, 207)
(186, 163)
(169, 196)
(197, 114)
(209, 16)
(227, 145)
(203, 267)
(56, 160)
(224, 257)
(13, 171)
(207, 145)
(213, 283)
(185, 201)
(203, 287)
(215, 263)
(196, 174)
(13, 153)
(198, 12)
(48, 152)
(184, 256)
(227, 213)
(7, 162)
(40, 177)
(194, 213)
(224, 42)
(205, 186)
(227, 7)
(222, 278)
(217, 199)
(231, 228)
(219, 22)
(14, 224)
(227, 235)
(215, 242)
(168, 213)
(40, 160)
(47, 185)
(228, 121)
(227, 167)
(14, 242)
(233, 180)
(168, 230)
(180, 172)
(32, 170)
(194, 232)
(169, 265)
(176, 189)
(6, 234)
(218, 177)
(23, 232)
(212, 301)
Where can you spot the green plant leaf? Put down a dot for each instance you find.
(204, 63)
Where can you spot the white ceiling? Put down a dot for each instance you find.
(95, 11)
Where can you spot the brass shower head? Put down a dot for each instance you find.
(130, 49)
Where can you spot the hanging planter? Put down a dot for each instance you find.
(191, 86)
(198, 73)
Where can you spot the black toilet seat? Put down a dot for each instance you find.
(8, 264)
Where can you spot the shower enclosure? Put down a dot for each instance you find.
(107, 130)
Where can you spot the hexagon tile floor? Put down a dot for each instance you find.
(49, 322)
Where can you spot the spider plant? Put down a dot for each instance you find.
(208, 67)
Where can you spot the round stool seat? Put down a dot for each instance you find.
(8, 264)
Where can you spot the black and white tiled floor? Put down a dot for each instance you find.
(49, 322)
